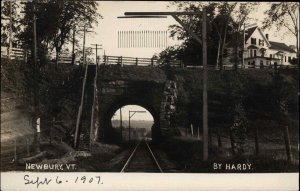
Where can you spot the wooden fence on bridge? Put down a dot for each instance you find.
(135, 61)
(22, 54)
(15, 53)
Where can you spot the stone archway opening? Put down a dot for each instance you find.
(132, 123)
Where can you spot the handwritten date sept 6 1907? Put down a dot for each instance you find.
(38, 181)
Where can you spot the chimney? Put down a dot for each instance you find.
(267, 36)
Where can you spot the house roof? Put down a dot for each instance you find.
(281, 46)
(250, 31)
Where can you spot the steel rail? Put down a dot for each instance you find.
(154, 158)
(129, 159)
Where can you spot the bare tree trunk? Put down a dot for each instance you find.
(222, 48)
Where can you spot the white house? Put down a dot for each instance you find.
(260, 51)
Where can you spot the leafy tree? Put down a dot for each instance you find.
(56, 20)
(240, 17)
(218, 17)
(221, 24)
(284, 15)
(5, 22)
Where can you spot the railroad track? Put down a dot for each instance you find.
(142, 159)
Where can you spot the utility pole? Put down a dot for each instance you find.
(204, 48)
(97, 45)
(36, 102)
(130, 116)
(121, 125)
(83, 49)
(243, 62)
(73, 47)
(10, 31)
(205, 115)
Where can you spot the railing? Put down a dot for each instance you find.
(120, 60)
(22, 54)
(15, 54)
(135, 61)
(271, 66)
(64, 59)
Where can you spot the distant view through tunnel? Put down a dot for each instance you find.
(133, 122)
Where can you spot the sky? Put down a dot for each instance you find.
(108, 27)
(137, 116)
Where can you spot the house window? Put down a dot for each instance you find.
(251, 53)
(289, 59)
(254, 52)
(285, 58)
(261, 42)
(253, 41)
(249, 63)
(270, 55)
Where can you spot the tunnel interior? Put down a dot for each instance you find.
(148, 117)
(133, 122)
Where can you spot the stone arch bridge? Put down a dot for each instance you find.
(109, 87)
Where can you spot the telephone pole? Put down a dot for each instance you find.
(73, 47)
(204, 48)
(130, 116)
(97, 45)
(83, 48)
(205, 115)
(121, 125)
(10, 31)
(244, 38)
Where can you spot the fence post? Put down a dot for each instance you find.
(219, 139)
(121, 61)
(151, 61)
(25, 55)
(256, 142)
(136, 61)
(192, 130)
(27, 147)
(210, 138)
(51, 126)
(15, 150)
(232, 142)
(287, 144)
(181, 64)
